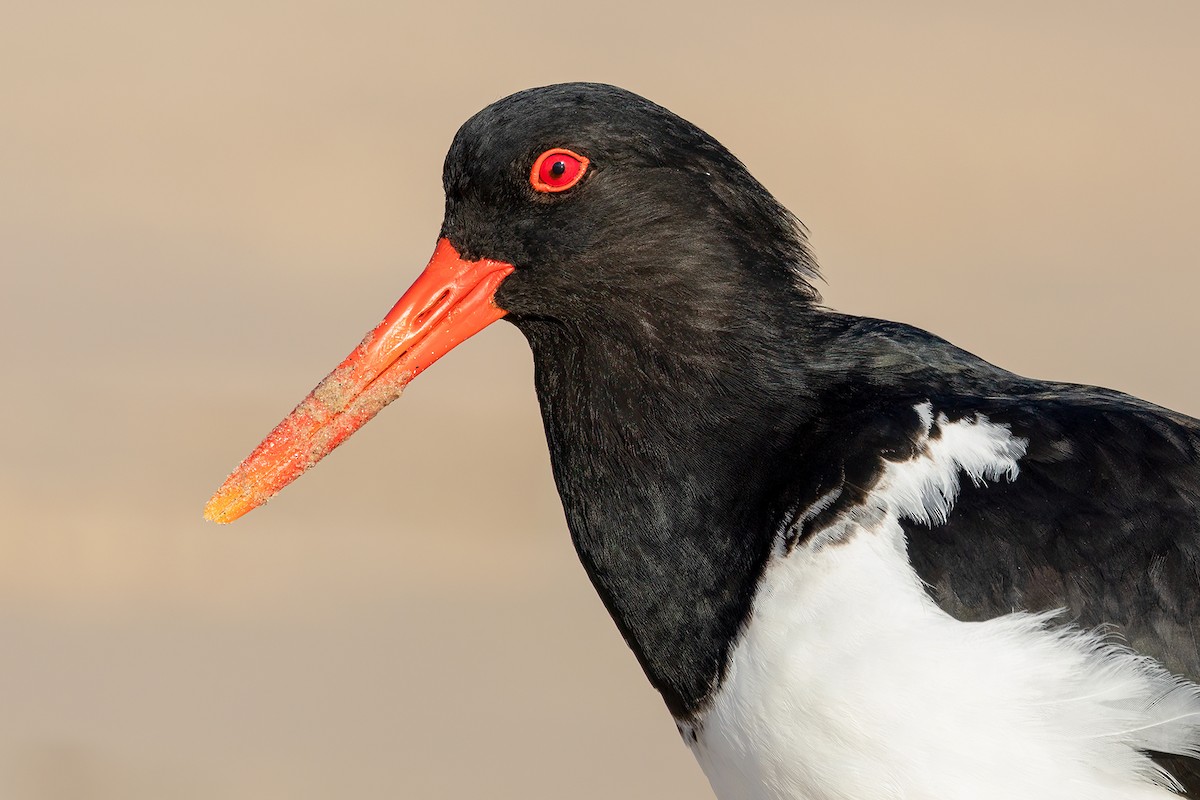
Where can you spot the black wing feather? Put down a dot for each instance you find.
(1103, 520)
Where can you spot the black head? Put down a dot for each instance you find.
(665, 224)
(663, 296)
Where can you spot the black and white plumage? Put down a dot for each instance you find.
(855, 560)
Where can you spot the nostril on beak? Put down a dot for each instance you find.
(429, 309)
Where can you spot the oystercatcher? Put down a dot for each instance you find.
(855, 560)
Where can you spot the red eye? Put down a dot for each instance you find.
(557, 170)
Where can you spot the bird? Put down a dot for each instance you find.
(855, 560)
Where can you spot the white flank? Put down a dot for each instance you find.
(849, 682)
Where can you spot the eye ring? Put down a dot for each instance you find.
(557, 170)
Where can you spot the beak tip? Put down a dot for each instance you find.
(223, 509)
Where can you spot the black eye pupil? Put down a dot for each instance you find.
(558, 168)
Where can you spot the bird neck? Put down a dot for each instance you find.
(668, 461)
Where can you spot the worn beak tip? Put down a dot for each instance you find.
(225, 507)
(212, 513)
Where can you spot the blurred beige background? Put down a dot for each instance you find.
(202, 208)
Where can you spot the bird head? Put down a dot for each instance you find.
(576, 210)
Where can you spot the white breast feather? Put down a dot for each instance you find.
(849, 683)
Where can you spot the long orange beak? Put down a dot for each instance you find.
(451, 301)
